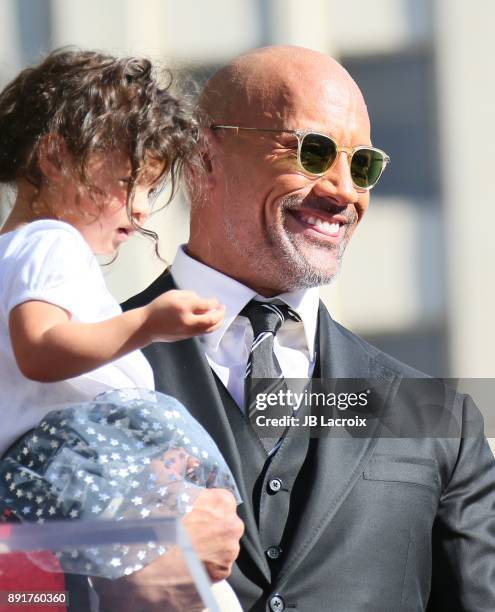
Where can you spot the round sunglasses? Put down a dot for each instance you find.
(316, 154)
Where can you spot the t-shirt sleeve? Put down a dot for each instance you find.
(50, 266)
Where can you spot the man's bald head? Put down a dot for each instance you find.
(264, 86)
(257, 215)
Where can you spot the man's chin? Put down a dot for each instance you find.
(305, 274)
(313, 267)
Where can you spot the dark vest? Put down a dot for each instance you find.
(277, 485)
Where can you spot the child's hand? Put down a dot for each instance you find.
(177, 315)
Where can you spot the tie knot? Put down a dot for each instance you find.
(267, 317)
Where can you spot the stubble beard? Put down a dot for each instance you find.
(285, 266)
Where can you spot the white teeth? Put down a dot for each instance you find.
(329, 228)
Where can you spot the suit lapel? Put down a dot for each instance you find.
(181, 370)
(338, 461)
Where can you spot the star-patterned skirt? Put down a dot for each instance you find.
(127, 454)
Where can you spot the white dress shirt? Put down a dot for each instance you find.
(228, 347)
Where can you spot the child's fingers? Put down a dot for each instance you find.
(212, 328)
(202, 305)
(208, 319)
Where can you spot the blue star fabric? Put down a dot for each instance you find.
(128, 454)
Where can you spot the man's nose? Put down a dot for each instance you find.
(337, 183)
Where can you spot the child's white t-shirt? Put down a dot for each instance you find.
(50, 261)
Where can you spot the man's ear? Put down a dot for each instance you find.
(205, 157)
(200, 172)
(209, 151)
(53, 156)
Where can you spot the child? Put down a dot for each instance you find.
(87, 140)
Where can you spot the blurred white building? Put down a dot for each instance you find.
(418, 277)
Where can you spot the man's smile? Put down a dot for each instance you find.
(319, 224)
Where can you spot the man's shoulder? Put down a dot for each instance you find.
(161, 284)
(355, 343)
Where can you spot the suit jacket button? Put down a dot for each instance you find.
(276, 604)
(273, 552)
(274, 485)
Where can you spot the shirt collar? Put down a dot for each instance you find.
(192, 275)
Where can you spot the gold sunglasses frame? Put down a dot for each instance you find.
(301, 134)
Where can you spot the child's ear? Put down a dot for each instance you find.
(53, 156)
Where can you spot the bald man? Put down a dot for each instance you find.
(347, 524)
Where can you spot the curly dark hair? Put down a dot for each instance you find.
(96, 103)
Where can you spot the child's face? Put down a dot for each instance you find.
(110, 175)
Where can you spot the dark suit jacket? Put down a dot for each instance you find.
(386, 524)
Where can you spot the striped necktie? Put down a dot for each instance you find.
(263, 372)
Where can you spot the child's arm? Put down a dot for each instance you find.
(49, 347)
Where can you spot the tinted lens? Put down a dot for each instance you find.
(318, 153)
(366, 167)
